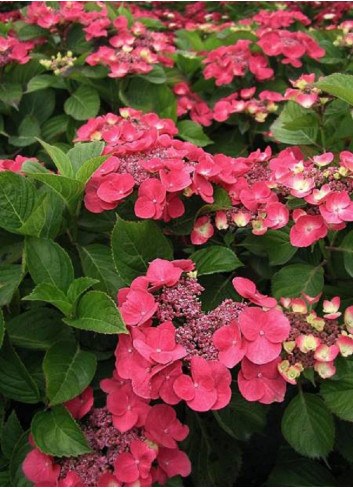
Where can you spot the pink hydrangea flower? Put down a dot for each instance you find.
(136, 464)
(230, 345)
(163, 427)
(138, 307)
(82, 404)
(247, 289)
(151, 199)
(202, 231)
(307, 230)
(264, 332)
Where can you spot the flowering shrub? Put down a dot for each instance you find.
(176, 244)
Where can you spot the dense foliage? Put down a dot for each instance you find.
(176, 243)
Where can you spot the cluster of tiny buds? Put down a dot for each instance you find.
(59, 64)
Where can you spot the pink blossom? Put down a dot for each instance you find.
(247, 289)
(162, 383)
(307, 230)
(38, 467)
(128, 410)
(277, 216)
(174, 462)
(163, 272)
(136, 464)
(261, 383)
(338, 208)
(115, 188)
(138, 307)
(151, 199)
(82, 404)
(264, 332)
(202, 231)
(158, 344)
(163, 427)
(230, 345)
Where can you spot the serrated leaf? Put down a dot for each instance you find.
(339, 85)
(97, 262)
(85, 172)
(48, 292)
(68, 189)
(194, 133)
(215, 259)
(83, 103)
(56, 433)
(296, 125)
(37, 329)
(12, 431)
(60, 159)
(15, 380)
(97, 312)
(10, 278)
(308, 426)
(83, 152)
(17, 200)
(28, 131)
(22, 447)
(337, 393)
(48, 262)
(135, 244)
(79, 286)
(292, 280)
(10, 93)
(68, 371)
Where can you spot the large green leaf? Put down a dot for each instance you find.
(347, 248)
(60, 159)
(68, 371)
(241, 419)
(12, 431)
(17, 200)
(337, 392)
(85, 172)
(97, 262)
(22, 447)
(68, 189)
(308, 426)
(28, 131)
(338, 84)
(135, 244)
(48, 292)
(48, 262)
(10, 278)
(97, 312)
(296, 125)
(15, 380)
(194, 133)
(275, 244)
(37, 329)
(83, 152)
(292, 280)
(83, 103)
(56, 433)
(215, 259)
(2, 328)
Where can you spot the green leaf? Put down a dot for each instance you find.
(37, 329)
(12, 431)
(241, 419)
(19, 453)
(339, 85)
(48, 262)
(97, 312)
(292, 280)
(135, 244)
(32, 104)
(97, 262)
(294, 470)
(296, 125)
(55, 126)
(344, 439)
(83, 103)
(17, 200)
(194, 133)
(82, 152)
(48, 292)
(347, 248)
(308, 426)
(56, 433)
(85, 172)
(15, 380)
(40, 82)
(337, 393)
(215, 259)
(148, 97)
(2, 328)
(79, 286)
(28, 131)
(68, 189)
(60, 159)
(10, 93)
(156, 75)
(275, 244)
(10, 278)
(68, 371)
